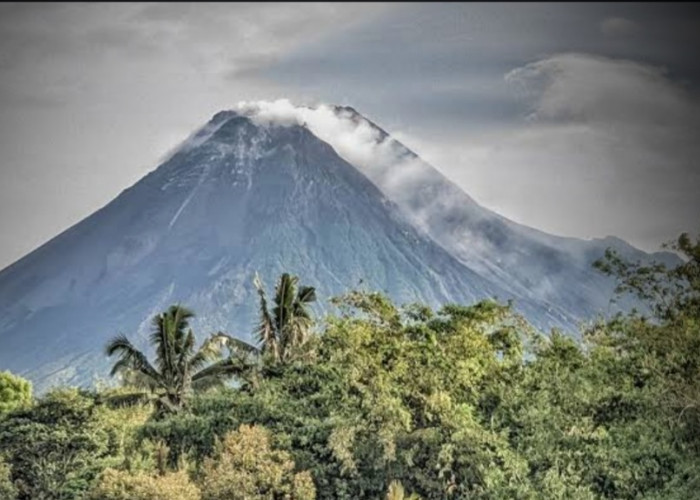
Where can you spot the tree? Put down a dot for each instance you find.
(7, 489)
(395, 396)
(15, 392)
(285, 329)
(672, 293)
(121, 485)
(245, 467)
(179, 368)
(665, 349)
(57, 446)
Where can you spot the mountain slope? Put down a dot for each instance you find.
(236, 199)
(245, 195)
(531, 264)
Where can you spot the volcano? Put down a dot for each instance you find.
(253, 193)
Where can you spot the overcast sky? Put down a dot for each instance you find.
(577, 119)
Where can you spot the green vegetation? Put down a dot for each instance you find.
(385, 402)
(396, 492)
(178, 370)
(284, 331)
(15, 392)
(122, 485)
(244, 467)
(7, 489)
(58, 446)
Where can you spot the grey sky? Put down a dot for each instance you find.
(578, 119)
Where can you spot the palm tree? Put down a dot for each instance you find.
(285, 328)
(178, 369)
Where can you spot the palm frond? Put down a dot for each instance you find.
(238, 346)
(184, 355)
(306, 295)
(284, 299)
(171, 340)
(180, 327)
(207, 383)
(138, 380)
(266, 334)
(129, 357)
(165, 404)
(187, 345)
(228, 367)
(182, 316)
(159, 338)
(299, 331)
(120, 367)
(209, 351)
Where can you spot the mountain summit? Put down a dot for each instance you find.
(322, 193)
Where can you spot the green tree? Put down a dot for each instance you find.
(178, 369)
(672, 293)
(392, 395)
(15, 392)
(7, 489)
(58, 445)
(284, 330)
(665, 349)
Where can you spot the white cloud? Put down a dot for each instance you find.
(585, 88)
(400, 175)
(353, 138)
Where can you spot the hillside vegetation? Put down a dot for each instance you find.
(380, 402)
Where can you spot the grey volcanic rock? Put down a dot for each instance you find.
(237, 198)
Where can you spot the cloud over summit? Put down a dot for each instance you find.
(351, 135)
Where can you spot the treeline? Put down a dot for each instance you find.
(381, 402)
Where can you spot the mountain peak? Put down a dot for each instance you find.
(270, 187)
(237, 198)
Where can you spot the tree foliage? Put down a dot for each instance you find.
(396, 492)
(7, 488)
(178, 369)
(284, 329)
(122, 485)
(15, 392)
(59, 445)
(245, 467)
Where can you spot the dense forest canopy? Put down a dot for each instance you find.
(381, 401)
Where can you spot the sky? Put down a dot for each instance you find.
(577, 119)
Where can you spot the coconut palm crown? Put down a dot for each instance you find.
(285, 328)
(178, 368)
